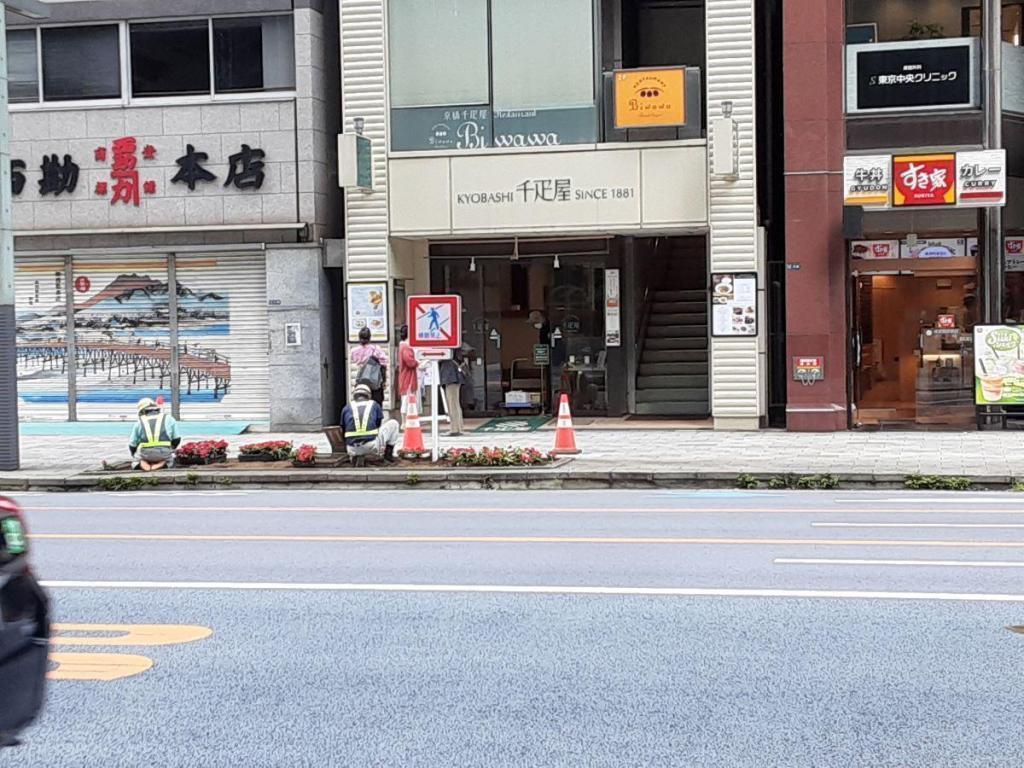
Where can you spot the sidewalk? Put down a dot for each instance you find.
(660, 455)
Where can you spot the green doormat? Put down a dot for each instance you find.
(514, 424)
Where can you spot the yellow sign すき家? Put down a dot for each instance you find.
(648, 98)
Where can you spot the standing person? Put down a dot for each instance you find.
(371, 364)
(451, 376)
(408, 370)
(366, 432)
(154, 437)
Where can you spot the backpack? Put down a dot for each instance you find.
(371, 374)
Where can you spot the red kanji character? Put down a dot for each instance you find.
(100, 154)
(124, 172)
(149, 187)
(101, 188)
(149, 152)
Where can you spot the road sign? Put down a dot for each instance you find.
(435, 322)
(433, 354)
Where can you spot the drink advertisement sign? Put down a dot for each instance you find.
(875, 249)
(924, 180)
(999, 365)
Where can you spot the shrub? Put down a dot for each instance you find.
(202, 452)
(937, 483)
(273, 450)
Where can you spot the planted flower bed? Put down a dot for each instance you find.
(497, 457)
(273, 450)
(201, 453)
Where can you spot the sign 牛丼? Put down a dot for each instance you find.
(867, 180)
(435, 321)
(920, 180)
(649, 98)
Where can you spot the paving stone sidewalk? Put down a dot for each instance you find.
(972, 454)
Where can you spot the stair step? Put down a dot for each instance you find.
(673, 409)
(678, 318)
(676, 332)
(701, 296)
(700, 342)
(699, 368)
(655, 356)
(678, 307)
(696, 395)
(673, 382)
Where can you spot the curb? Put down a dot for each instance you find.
(463, 479)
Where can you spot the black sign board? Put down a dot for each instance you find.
(913, 76)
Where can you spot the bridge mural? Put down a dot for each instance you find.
(122, 333)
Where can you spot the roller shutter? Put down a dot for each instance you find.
(41, 338)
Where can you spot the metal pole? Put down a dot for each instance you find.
(71, 353)
(9, 448)
(993, 216)
(435, 424)
(175, 359)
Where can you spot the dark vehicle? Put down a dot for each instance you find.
(24, 629)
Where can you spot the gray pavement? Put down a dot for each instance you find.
(527, 628)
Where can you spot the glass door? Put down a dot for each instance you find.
(576, 315)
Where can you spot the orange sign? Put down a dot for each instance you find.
(924, 180)
(648, 98)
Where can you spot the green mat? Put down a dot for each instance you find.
(115, 428)
(514, 424)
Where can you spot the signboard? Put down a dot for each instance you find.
(998, 365)
(946, 322)
(875, 249)
(435, 321)
(612, 309)
(981, 177)
(808, 369)
(1013, 254)
(867, 180)
(432, 354)
(935, 248)
(541, 355)
(650, 98)
(355, 162)
(915, 75)
(368, 308)
(734, 305)
(924, 180)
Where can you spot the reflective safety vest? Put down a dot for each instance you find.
(361, 416)
(156, 434)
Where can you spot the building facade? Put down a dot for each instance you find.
(584, 174)
(904, 212)
(175, 192)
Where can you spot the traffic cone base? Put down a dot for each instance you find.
(412, 438)
(565, 434)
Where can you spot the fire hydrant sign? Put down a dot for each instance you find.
(435, 322)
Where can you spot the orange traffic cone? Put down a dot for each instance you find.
(412, 440)
(565, 435)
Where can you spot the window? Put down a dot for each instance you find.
(171, 58)
(438, 52)
(883, 21)
(254, 54)
(81, 63)
(22, 66)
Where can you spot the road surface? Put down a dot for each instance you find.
(631, 628)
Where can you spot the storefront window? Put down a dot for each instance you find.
(81, 63)
(22, 69)
(171, 58)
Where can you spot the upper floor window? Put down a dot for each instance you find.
(169, 59)
(885, 21)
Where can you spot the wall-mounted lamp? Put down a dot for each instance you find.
(359, 123)
(725, 145)
(558, 264)
(472, 264)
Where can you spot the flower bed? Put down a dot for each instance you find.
(274, 450)
(497, 457)
(305, 456)
(201, 452)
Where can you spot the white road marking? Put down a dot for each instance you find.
(525, 589)
(986, 526)
(919, 563)
(958, 499)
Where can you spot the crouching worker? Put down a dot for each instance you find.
(154, 437)
(366, 432)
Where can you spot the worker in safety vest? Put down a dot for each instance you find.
(154, 437)
(366, 432)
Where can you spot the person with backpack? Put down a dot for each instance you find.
(371, 365)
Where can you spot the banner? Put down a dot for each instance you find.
(999, 365)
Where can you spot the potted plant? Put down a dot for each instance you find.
(201, 452)
(272, 450)
(305, 456)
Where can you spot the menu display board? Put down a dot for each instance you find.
(734, 305)
(999, 365)
(368, 308)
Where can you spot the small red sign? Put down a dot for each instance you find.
(435, 322)
(924, 180)
(946, 321)
(82, 284)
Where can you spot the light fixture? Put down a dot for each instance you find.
(515, 249)
(472, 264)
(359, 123)
(558, 264)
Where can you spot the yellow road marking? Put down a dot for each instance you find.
(629, 540)
(131, 634)
(97, 666)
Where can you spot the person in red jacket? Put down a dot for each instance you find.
(408, 370)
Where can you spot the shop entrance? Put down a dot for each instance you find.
(533, 324)
(913, 357)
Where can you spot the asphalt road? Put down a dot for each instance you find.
(532, 629)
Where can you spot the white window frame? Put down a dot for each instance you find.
(127, 99)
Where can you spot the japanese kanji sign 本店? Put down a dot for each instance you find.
(924, 180)
(435, 321)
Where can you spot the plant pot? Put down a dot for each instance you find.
(303, 465)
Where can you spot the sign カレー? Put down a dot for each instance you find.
(981, 177)
(649, 98)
